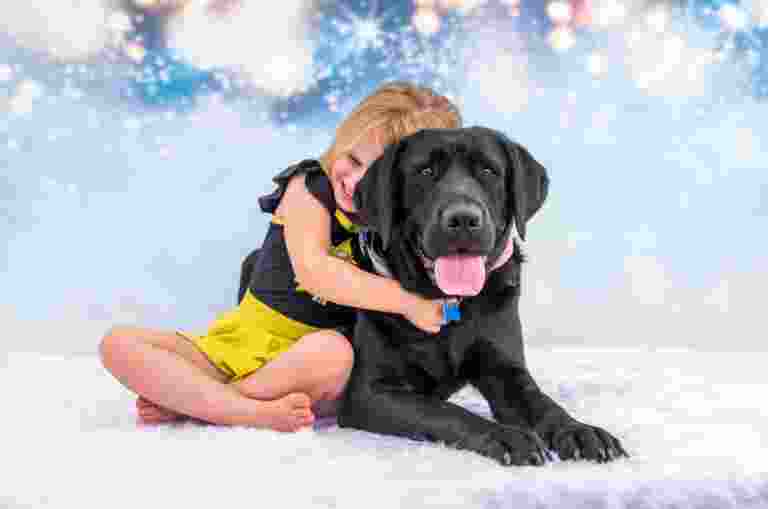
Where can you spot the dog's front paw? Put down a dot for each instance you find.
(583, 441)
(512, 445)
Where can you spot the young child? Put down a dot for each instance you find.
(283, 354)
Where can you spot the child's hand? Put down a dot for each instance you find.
(425, 314)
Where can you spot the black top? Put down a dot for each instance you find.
(273, 280)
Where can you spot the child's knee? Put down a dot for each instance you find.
(340, 356)
(120, 341)
(115, 343)
(337, 366)
(110, 349)
(341, 348)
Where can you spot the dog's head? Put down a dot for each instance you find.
(454, 197)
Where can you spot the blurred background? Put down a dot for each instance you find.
(136, 135)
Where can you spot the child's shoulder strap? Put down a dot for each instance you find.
(269, 203)
(320, 186)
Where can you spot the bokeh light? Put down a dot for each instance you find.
(734, 17)
(210, 41)
(609, 12)
(560, 12)
(161, 121)
(66, 30)
(426, 20)
(562, 38)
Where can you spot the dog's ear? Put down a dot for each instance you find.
(377, 194)
(527, 184)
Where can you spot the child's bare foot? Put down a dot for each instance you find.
(289, 413)
(150, 413)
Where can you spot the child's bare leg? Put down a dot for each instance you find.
(318, 364)
(171, 372)
(152, 413)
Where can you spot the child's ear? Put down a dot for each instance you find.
(377, 194)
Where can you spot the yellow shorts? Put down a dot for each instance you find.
(243, 340)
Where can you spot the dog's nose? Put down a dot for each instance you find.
(462, 217)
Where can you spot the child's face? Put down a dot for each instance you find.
(350, 168)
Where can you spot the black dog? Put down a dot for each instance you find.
(444, 204)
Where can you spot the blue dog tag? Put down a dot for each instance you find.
(451, 311)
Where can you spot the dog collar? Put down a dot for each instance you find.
(451, 310)
(377, 259)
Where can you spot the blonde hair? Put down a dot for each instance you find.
(395, 110)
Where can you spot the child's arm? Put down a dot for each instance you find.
(306, 227)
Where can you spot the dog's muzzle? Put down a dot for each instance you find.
(381, 266)
(464, 275)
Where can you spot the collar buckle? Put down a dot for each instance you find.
(451, 310)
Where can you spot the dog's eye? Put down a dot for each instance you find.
(487, 172)
(427, 172)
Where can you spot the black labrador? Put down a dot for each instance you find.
(443, 204)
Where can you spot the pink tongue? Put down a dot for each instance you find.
(460, 274)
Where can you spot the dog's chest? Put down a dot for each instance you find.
(442, 355)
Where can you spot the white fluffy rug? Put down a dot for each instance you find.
(695, 423)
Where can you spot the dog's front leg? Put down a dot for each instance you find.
(380, 398)
(499, 370)
(423, 417)
(515, 398)
(571, 439)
